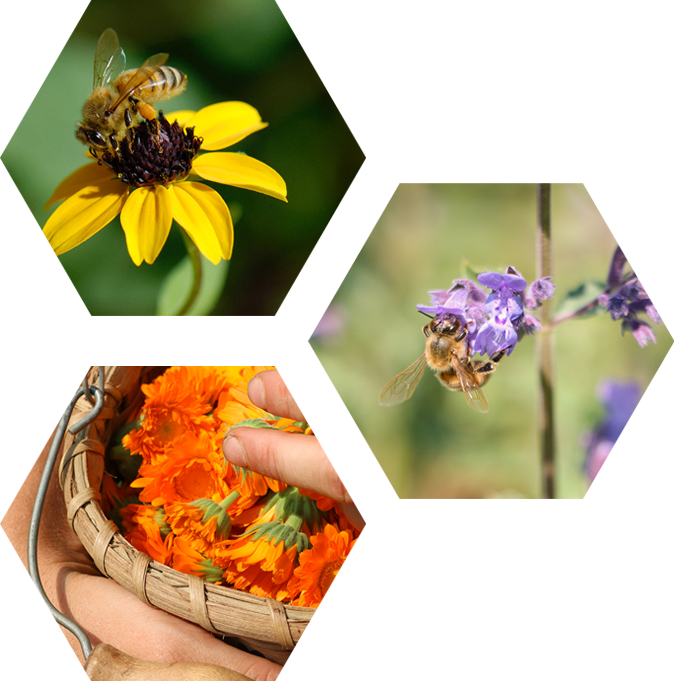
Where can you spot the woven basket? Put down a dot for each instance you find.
(263, 625)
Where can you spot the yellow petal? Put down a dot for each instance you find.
(86, 176)
(224, 124)
(84, 214)
(180, 117)
(242, 171)
(204, 215)
(146, 219)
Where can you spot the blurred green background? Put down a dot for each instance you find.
(231, 50)
(434, 446)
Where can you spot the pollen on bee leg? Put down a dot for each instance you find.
(146, 110)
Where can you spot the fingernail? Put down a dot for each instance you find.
(234, 451)
(256, 392)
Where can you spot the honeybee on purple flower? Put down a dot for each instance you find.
(467, 322)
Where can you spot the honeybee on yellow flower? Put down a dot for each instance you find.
(122, 98)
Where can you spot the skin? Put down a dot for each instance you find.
(107, 611)
(298, 461)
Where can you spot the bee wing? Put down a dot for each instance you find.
(110, 59)
(474, 396)
(402, 386)
(144, 73)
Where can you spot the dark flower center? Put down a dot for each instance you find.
(154, 152)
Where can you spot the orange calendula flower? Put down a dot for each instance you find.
(146, 531)
(319, 565)
(201, 515)
(187, 559)
(206, 523)
(190, 470)
(157, 177)
(172, 408)
(262, 559)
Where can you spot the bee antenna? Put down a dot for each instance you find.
(426, 314)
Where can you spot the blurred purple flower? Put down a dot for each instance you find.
(331, 324)
(625, 298)
(539, 290)
(641, 331)
(634, 443)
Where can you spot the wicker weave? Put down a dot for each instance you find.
(261, 624)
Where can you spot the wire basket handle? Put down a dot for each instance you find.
(95, 395)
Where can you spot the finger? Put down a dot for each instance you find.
(268, 391)
(356, 514)
(297, 460)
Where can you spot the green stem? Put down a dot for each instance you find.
(545, 344)
(196, 261)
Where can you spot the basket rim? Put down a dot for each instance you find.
(266, 624)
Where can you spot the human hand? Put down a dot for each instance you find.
(295, 460)
(107, 611)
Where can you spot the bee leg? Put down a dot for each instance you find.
(113, 143)
(489, 366)
(127, 118)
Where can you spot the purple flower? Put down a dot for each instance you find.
(463, 295)
(540, 290)
(505, 310)
(495, 321)
(531, 325)
(634, 443)
(332, 323)
(625, 298)
(494, 337)
(641, 331)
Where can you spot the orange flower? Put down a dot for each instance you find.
(262, 560)
(185, 558)
(191, 470)
(171, 409)
(146, 531)
(206, 523)
(260, 566)
(319, 565)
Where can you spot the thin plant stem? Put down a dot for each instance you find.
(546, 423)
(196, 261)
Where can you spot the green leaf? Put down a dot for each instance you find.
(252, 423)
(177, 286)
(580, 297)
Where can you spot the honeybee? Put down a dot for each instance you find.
(121, 98)
(447, 352)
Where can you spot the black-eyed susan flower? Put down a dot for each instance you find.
(156, 176)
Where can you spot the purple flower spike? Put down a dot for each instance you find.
(641, 331)
(493, 321)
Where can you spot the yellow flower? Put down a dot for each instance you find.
(155, 178)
